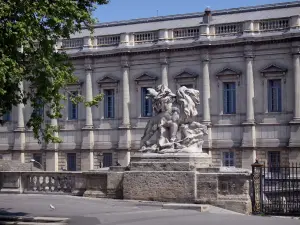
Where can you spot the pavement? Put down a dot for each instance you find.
(88, 211)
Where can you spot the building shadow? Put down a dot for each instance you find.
(8, 212)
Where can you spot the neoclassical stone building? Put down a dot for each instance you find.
(244, 61)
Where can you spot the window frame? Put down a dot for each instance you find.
(228, 75)
(233, 159)
(76, 87)
(71, 104)
(234, 101)
(68, 164)
(105, 113)
(274, 72)
(270, 96)
(105, 83)
(145, 80)
(106, 154)
(277, 166)
(144, 102)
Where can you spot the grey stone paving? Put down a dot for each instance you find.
(85, 211)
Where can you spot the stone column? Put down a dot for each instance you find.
(249, 88)
(206, 88)
(19, 141)
(249, 135)
(87, 131)
(164, 68)
(295, 123)
(52, 148)
(126, 92)
(124, 144)
(206, 97)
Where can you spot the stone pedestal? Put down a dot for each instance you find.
(163, 177)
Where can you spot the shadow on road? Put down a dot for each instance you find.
(7, 212)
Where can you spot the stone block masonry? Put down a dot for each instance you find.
(165, 186)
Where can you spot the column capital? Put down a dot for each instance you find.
(295, 49)
(248, 52)
(88, 64)
(164, 59)
(125, 62)
(205, 56)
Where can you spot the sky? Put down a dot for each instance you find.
(132, 9)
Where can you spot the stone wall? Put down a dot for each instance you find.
(227, 190)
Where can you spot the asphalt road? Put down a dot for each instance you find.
(85, 211)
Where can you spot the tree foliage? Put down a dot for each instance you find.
(29, 31)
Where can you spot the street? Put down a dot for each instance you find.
(117, 212)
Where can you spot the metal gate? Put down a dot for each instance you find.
(276, 189)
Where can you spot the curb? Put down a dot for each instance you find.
(23, 220)
(198, 207)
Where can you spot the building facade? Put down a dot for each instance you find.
(245, 62)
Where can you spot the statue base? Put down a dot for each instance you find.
(169, 161)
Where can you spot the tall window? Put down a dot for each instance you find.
(37, 160)
(73, 108)
(107, 159)
(274, 161)
(40, 110)
(109, 101)
(274, 95)
(228, 159)
(229, 98)
(6, 116)
(146, 103)
(71, 161)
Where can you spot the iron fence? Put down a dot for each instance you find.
(276, 189)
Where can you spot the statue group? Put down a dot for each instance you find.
(173, 122)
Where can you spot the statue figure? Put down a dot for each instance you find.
(174, 114)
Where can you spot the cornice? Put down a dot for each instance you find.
(199, 14)
(187, 46)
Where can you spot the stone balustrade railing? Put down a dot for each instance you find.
(228, 188)
(89, 184)
(212, 30)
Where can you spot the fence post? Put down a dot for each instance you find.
(257, 187)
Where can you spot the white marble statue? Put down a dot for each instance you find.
(173, 122)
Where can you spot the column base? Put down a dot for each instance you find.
(20, 141)
(295, 133)
(124, 139)
(88, 139)
(248, 157)
(249, 135)
(124, 157)
(52, 161)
